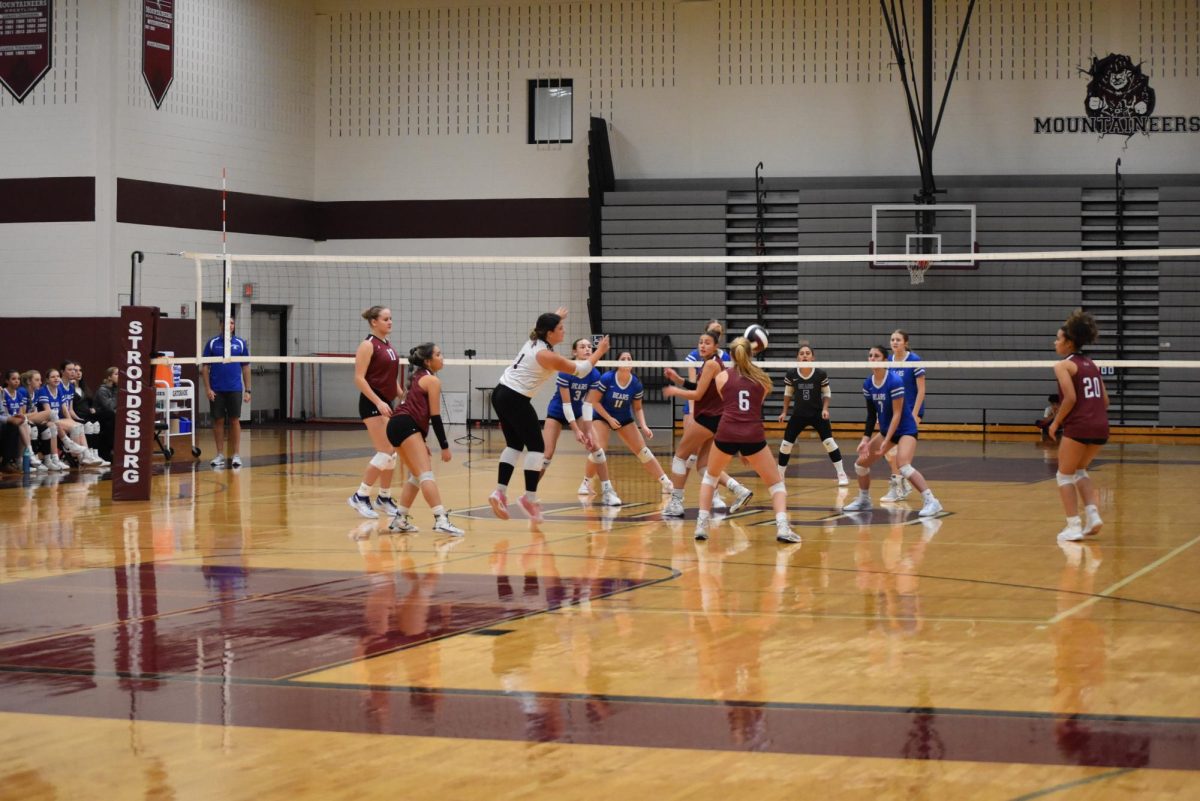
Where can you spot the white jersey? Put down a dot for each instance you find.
(525, 375)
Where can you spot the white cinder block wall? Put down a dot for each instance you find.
(335, 100)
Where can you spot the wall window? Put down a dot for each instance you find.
(551, 104)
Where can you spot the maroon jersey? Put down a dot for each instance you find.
(709, 404)
(741, 415)
(383, 368)
(1088, 419)
(416, 402)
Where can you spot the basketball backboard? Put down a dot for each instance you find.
(909, 231)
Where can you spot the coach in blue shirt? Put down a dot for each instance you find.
(227, 385)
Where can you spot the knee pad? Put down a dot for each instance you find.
(786, 446)
(860, 470)
(691, 460)
(907, 470)
(830, 445)
(1065, 479)
(598, 456)
(77, 430)
(413, 480)
(509, 456)
(709, 479)
(381, 460)
(46, 432)
(680, 467)
(1080, 474)
(644, 455)
(533, 460)
(426, 476)
(778, 488)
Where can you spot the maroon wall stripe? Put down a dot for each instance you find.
(453, 219)
(149, 203)
(38, 200)
(174, 206)
(92, 341)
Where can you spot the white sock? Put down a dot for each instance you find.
(781, 519)
(438, 511)
(364, 490)
(531, 496)
(502, 488)
(703, 515)
(1091, 510)
(385, 492)
(401, 510)
(927, 494)
(606, 486)
(733, 485)
(841, 468)
(677, 493)
(666, 482)
(1074, 522)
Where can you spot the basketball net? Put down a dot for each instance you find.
(916, 271)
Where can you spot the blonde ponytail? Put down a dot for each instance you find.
(743, 361)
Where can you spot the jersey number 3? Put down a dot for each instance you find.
(1091, 387)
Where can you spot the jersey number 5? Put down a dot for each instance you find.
(744, 400)
(1091, 387)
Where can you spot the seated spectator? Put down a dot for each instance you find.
(12, 423)
(38, 413)
(106, 413)
(83, 411)
(1048, 416)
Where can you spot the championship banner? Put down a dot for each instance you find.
(26, 31)
(158, 47)
(133, 441)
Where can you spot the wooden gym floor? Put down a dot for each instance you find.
(246, 635)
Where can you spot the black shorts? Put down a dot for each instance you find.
(366, 408)
(518, 421)
(562, 421)
(400, 427)
(1088, 440)
(709, 421)
(744, 448)
(797, 423)
(622, 423)
(226, 405)
(896, 437)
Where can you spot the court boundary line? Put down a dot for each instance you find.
(1107, 591)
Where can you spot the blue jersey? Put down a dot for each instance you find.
(909, 377)
(577, 390)
(55, 400)
(226, 377)
(882, 397)
(618, 400)
(694, 356)
(15, 403)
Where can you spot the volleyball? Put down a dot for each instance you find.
(757, 336)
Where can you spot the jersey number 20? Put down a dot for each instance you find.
(1091, 387)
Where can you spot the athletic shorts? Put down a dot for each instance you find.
(226, 405)
(709, 421)
(1088, 440)
(400, 427)
(744, 448)
(896, 437)
(562, 421)
(366, 408)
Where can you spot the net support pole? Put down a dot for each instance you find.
(199, 291)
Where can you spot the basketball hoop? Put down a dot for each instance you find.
(917, 270)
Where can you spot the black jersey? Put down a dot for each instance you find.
(805, 392)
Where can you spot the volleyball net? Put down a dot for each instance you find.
(985, 331)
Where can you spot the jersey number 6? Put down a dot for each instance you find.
(744, 400)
